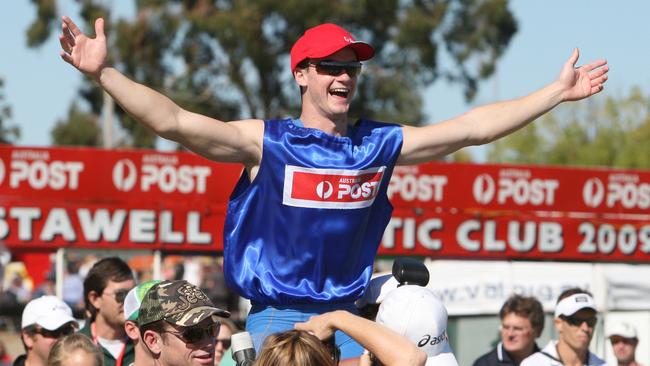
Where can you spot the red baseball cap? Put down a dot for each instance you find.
(324, 40)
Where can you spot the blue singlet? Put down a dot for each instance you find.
(306, 229)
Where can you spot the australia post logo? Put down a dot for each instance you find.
(331, 188)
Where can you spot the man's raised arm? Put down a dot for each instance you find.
(238, 141)
(490, 122)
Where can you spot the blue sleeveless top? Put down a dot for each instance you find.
(307, 228)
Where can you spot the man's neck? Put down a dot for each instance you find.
(142, 355)
(570, 356)
(337, 126)
(518, 356)
(631, 363)
(106, 331)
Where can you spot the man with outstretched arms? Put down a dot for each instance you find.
(306, 218)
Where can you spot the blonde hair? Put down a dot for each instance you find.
(296, 348)
(70, 343)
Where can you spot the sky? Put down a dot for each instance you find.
(39, 86)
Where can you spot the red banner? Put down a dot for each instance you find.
(91, 198)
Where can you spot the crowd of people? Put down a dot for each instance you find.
(172, 322)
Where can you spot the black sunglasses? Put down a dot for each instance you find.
(336, 68)
(576, 322)
(119, 295)
(57, 333)
(196, 334)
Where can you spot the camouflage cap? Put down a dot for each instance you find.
(177, 302)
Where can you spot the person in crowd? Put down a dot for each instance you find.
(222, 345)
(44, 321)
(47, 287)
(417, 314)
(624, 340)
(75, 350)
(132, 304)
(179, 324)
(412, 311)
(386, 345)
(295, 347)
(73, 287)
(105, 288)
(522, 321)
(322, 258)
(575, 319)
(5, 358)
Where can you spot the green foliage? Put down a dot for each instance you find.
(8, 134)
(229, 59)
(611, 133)
(80, 129)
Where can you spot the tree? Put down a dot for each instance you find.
(8, 134)
(80, 129)
(612, 133)
(229, 59)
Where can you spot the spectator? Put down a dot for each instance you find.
(575, 319)
(18, 289)
(5, 359)
(48, 287)
(73, 288)
(179, 324)
(75, 350)
(45, 320)
(296, 348)
(522, 321)
(222, 345)
(389, 347)
(105, 288)
(131, 311)
(624, 340)
(416, 313)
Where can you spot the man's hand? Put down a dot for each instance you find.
(88, 55)
(584, 81)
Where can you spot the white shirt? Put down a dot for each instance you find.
(548, 357)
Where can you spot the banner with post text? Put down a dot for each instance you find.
(177, 201)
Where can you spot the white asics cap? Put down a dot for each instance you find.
(416, 313)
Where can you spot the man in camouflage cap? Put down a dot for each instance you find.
(179, 324)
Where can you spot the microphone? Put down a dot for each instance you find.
(243, 351)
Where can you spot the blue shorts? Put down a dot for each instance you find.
(264, 320)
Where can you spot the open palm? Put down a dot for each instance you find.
(584, 81)
(86, 54)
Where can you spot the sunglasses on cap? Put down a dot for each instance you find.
(195, 334)
(336, 68)
(57, 333)
(576, 322)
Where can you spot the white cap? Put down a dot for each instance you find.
(622, 329)
(574, 303)
(133, 299)
(377, 290)
(47, 311)
(416, 313)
